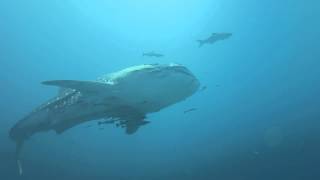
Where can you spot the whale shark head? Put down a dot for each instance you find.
(159, 84)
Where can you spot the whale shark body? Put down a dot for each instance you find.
(125, 97)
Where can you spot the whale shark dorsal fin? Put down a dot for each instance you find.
(82, 86)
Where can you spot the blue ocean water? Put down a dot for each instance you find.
(257, 119)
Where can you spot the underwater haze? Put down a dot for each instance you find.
(255, 117)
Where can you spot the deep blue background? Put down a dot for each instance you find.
(258, 118)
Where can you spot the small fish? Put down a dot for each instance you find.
(203, 88)
(144, 102)
(152, 54)
(214, 38)
(256, 153)
(189, 110)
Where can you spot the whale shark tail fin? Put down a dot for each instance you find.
(201, 43)
(18, 159)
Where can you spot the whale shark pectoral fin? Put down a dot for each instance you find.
(82, 86)
(132, 129)
(62, 127)
(133, 126)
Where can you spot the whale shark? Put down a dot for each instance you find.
(124, 97)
